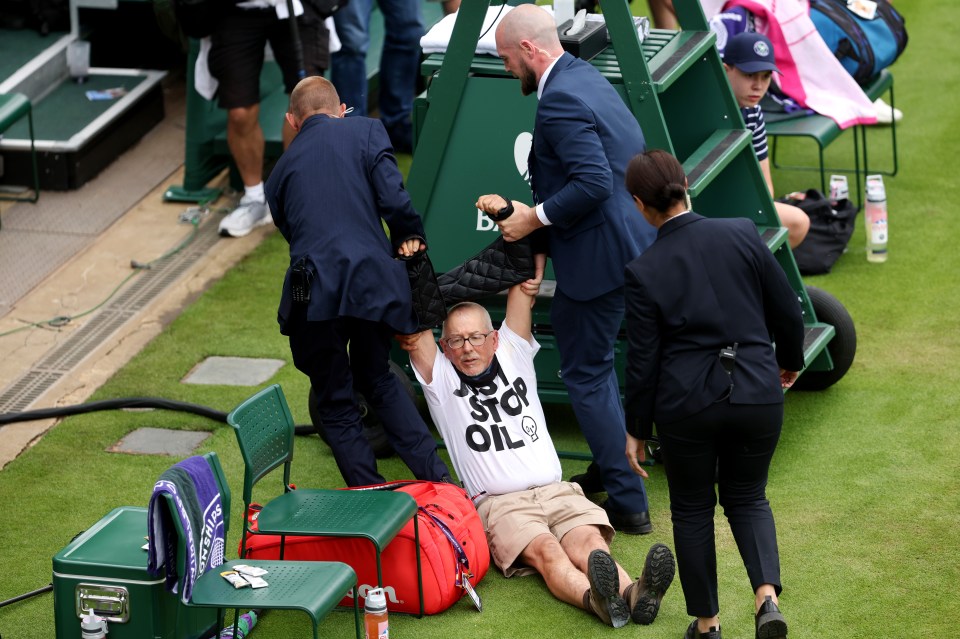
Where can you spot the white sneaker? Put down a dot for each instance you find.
(885, 113)
(248, 215)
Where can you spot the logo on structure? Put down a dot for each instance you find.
(521, 152)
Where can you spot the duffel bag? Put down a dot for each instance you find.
(830, 230)
(864, 45)
(453, 548)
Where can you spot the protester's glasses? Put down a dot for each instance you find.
(476, 340)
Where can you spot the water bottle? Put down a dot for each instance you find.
(244, 626)
(839, 189)
(375, 615)
(92, 626)
(875, 215)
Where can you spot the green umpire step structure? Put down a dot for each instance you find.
(474, 128)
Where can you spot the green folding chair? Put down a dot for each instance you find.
(13, 106)
(265, 432)
(315, 587)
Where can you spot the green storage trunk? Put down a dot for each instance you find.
(106, 568)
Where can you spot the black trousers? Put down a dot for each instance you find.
(320, 350)
(730, 446)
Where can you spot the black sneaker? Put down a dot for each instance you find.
(590, 481)
(645, 594)
(605, 599)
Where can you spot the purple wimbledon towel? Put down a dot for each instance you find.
(193, 487)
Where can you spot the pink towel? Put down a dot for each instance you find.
(811, 74)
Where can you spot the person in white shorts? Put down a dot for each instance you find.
(481, 388)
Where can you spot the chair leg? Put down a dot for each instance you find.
(416, 541)
(243, 540)
(33, 158)
(221, 616)
(33, 164)
(893, 143)
(856, 162)
(823, 175)
(893, 137)
(893, 134)
(356, 610)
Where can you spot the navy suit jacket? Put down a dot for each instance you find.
(582, 141)
(327, 195)
(703, 285)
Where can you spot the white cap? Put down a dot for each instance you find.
(92, 626)
(375, 600)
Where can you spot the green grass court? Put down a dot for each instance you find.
(865, 485)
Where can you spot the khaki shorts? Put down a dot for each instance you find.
(513, 520)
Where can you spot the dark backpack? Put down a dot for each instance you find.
(830, 231)
(864, 47)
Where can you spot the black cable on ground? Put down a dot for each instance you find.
(127, 402)
(32, 593)
(112, 404)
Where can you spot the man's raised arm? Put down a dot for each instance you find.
(423, 352)
(520, 300)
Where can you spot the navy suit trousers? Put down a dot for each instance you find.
(320, 350)
(730, 445)
(586, 333)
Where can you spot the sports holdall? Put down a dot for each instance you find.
(831, 226)
(453, 548)
(864, 45)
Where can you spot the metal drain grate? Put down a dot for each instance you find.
(142, 290)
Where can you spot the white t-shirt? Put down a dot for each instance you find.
(496, 434)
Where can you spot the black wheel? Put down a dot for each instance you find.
(372, 427)
(842, 348)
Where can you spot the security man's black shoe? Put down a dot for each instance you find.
(590, 481)
(694, 633)
(629, 523)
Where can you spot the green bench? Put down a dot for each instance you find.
(13, 107)
(824, 131)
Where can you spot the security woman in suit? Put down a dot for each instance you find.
(704, 305)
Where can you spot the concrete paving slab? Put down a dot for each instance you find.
(160, 441)
(234, 371)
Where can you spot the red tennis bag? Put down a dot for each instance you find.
(453, 545)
